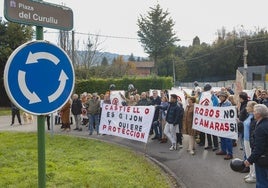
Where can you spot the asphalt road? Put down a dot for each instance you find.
(202, 170)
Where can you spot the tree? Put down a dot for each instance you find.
(156, 33)
(91, 48)
(12, 35)
(131, 57)
(196, 41)
(104, 61)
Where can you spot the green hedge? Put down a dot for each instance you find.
(141, 83)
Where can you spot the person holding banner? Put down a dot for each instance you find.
(208, 98)
(172, 120)
(143, 100)
(155, 101)
(226, 143)
(188, 122)
(163, 113)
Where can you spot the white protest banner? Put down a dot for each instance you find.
(219, 121)
(116, 98)
(132, 122)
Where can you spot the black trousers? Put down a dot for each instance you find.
(214, 140)
(15, 113)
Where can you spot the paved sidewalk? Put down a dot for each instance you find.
(202, 170)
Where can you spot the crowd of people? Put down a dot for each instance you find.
(172, 120)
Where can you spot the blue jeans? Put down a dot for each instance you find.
(261, 176)
(93, 120)
(157, 129)
(227, 145)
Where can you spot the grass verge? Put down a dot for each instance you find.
(5, 111)
(74, 162)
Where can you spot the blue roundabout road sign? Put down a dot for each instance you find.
(39, 77)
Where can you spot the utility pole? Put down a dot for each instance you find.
(73, 47)
(245, 53)
(174, 71)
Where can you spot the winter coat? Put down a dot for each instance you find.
(188, 120)
(93, 106)
(76, 107)
(260, 141)
(251, 132)
(65, 112)
(143, 102)
(155, 102)
(173, 113)
(243, 114)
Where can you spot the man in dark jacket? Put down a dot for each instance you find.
(143, 101)
(260, 149)
(155, 101)
(76, 109)
(172, 120)
(15, 112)
(242, 116)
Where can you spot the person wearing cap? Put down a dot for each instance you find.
(93, 113)
(226, 143)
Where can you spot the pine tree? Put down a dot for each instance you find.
(156, 33)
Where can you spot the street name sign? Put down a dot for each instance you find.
(39, 77)
(39, 13)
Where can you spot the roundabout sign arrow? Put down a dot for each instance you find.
(39, 77)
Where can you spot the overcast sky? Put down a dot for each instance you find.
(192, 18)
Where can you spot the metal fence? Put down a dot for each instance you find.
(249, 85)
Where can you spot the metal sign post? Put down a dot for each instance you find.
(41, 134)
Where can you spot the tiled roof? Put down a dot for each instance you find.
(144, 64)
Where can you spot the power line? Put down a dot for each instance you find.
(210, 53)
(250, 41)
(108, 36)
(105, 36)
